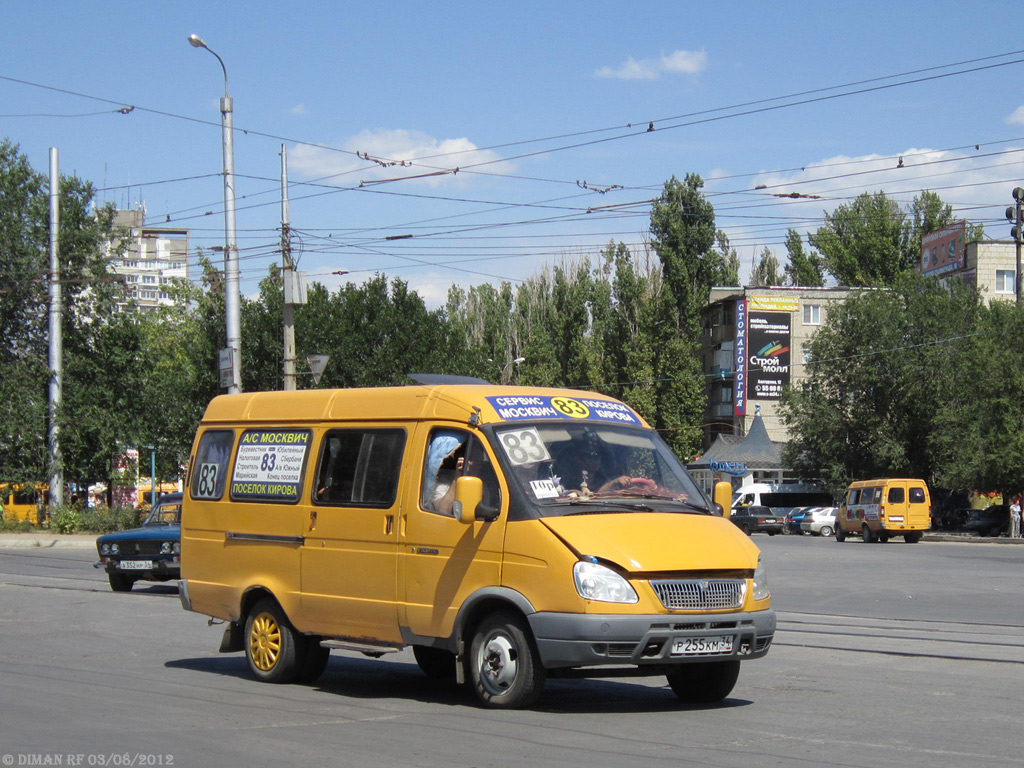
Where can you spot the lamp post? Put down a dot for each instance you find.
(509, 366)
(231, 291)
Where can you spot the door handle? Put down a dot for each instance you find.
(389, 524)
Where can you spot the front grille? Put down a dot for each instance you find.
(700, 594)
(131, 548)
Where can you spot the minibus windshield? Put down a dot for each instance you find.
(559, 464)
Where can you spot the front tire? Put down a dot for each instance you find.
(120, 582)
(705, 682)
(840, 534)
(503, 664)
(867, 535)
(273, 648)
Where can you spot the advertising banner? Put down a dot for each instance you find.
(741, 359)
(768, 345)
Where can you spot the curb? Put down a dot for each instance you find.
(47, 541)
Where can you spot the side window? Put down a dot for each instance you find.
(854, 497)
(896, 496)
(451, 453)
(359, 467)
(211, 464)
(917, 495)
(446, 460)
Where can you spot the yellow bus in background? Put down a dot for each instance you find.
(24, 502)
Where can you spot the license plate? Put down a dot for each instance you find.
(136, 565)
(702, 646)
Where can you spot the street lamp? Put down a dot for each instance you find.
(231, 292)
(509, 365)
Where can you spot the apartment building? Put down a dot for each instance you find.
(153, 257)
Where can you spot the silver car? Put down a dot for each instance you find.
(819, 521)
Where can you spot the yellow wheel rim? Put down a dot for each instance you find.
(265, 642)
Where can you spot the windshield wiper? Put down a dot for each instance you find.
(621, 502)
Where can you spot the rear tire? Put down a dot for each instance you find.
(705, 682)
(120, 582)
(826, 530)
(913, 538)
(274, 650)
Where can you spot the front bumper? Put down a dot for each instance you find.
(584, 640)
(163, 568)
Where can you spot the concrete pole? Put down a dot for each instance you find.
(56, 339)
(288, 269)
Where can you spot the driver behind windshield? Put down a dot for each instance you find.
(588, 467)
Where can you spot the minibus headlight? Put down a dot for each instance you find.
(760, 581)
(596, 582)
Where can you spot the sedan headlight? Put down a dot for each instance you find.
(165, 548)
(114, 549)
(176, 549)
(597, 582)
(104, 549)
(760, 581)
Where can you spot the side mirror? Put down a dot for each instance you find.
(723, 497)
(469, 492)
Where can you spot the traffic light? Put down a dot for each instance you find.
(1013, 214)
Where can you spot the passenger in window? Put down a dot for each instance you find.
(445, 460)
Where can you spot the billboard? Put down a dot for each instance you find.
(767, 354)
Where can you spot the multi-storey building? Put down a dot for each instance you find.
(153, 257)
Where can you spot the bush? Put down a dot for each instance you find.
(93, 520)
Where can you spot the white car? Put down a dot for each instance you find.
(820, 521)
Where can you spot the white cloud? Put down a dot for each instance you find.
(677, 62)
(393, 154)
(298, 109)
(1017, 118)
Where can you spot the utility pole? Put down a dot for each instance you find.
(1015, 213)
(288, 273)
(56, 339)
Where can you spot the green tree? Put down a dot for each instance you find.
(979, 433)
(730, 260)
(865, 243)
(683, 236)
(874, 387)
(766, 272)
(86, 294)
(804, 268)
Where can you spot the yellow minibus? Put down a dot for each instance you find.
(877, 510)
(503, 533)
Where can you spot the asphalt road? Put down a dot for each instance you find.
(886, 655)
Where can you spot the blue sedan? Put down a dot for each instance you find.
(149, 553)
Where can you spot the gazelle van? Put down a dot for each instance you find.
(877, 510)
(503, 533)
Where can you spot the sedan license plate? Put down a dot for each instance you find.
(136, 565)
(702, 646)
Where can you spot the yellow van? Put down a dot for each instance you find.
(877, 510)
(500, 532)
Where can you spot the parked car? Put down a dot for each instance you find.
(149, 553)
(794, 518)
(819, 521)
(990, 521)
(757, 520)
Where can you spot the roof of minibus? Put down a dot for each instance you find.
(455, 402)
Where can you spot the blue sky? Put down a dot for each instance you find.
(542, 107)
